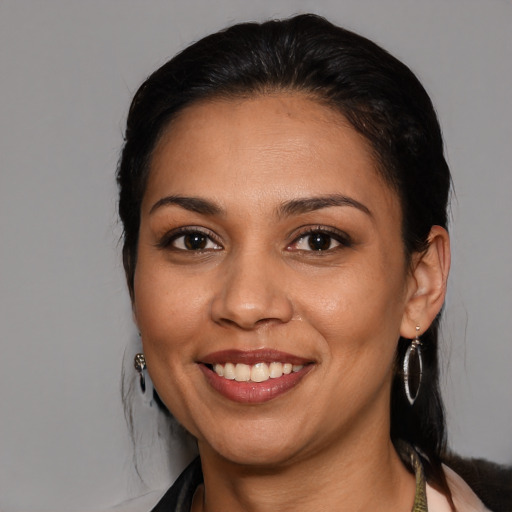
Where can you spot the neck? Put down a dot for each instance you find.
(356, 474)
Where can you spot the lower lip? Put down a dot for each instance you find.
(254, 392)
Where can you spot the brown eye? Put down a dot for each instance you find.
(319, 241)
(195, 241)
(189, 240)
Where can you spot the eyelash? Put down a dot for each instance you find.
(340, 237)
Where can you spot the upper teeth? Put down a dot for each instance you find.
(258, 372)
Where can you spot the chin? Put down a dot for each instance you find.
(254, 450)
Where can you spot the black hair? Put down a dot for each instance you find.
(381, 98)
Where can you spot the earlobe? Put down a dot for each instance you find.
(428, 280)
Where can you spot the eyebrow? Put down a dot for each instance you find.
(289, 208)
(193, 204)
(310, 204)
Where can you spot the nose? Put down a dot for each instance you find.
(251, 293)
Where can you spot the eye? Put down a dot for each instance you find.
(189, 240)
(320, 240)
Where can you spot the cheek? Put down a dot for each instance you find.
(170, 315)
(360, 294)
(356, 310)
(168, 311)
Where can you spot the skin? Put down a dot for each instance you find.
(324, 444)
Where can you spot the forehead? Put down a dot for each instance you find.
(281, 117)
(279, 144)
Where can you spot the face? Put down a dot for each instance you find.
(271, 280)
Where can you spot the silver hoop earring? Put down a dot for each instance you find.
(413, 369)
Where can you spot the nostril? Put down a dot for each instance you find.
(249, 324)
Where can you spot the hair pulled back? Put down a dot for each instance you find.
(381, 98)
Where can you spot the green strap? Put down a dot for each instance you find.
(420, 500)
(412, 459)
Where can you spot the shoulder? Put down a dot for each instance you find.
(477, 485)
(464, 499)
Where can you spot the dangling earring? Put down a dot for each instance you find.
(146, 386)
(140, 365)
(413, 369)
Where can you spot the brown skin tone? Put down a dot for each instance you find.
(256, 283)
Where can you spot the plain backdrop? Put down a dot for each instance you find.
(68, 69)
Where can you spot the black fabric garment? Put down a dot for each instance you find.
(179, 497)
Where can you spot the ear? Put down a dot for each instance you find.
(427, 284)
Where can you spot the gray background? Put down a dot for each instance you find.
(67, 72)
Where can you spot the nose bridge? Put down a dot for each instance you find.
(251, 291)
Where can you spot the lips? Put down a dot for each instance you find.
(253, 376)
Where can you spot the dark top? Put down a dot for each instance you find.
(179, 497)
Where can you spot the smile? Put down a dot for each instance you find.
(254, 377)
(259, 372)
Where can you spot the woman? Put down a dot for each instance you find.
(283, 192)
